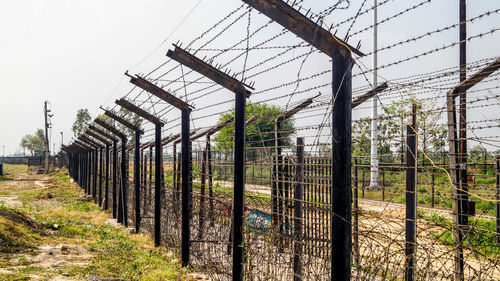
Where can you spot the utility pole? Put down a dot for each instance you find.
(47, 125)
(62, 139)
(374, 130)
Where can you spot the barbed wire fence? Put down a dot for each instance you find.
(180, 185)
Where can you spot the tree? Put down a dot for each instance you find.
(40, 134)
(361, 136)
(478, 154)
(33, 143)
(82, 118)
(392, 129)
(431, 130)
(261, 132)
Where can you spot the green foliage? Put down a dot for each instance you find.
(261, 132)
(479, 154)
(34, 143)
(392, 128)
(361, 137)
(82, 118)
(122, 257)
(481, 237)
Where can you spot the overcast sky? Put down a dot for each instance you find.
(74, 53)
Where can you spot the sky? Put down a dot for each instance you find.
(74, 53)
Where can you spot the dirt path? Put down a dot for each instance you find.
(50, 234)
(46, 257)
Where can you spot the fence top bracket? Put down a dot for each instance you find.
(169, 139)
(295, 110)
(90, 142)
(76, 147)
(122, 121)
(82, 146)
(102, 133)
(159, 92)
(178, 138)
(204, 68)
(302, 26)
(139, 111)
(97, 137)
(147, 144)
(476, 78)
(361, 99)
(109, 127)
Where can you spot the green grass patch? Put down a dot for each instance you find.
(120, 256)
(489, 180)
(13, 170)
(480, 238)
(17, 231)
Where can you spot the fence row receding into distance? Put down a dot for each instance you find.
(284, 196)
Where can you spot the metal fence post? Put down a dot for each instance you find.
(355, 215)
(298, 198)
(157, 219)
(411, 199)
(114, 176)
(210, 182)
(239, 185)
(123, 183)
(201, 215)
(497, 170)
(106, 186)
(101, 162)
(433, 188)
(341, 166)
(137, 181)
(186, 187)
(94, 186)
(383, 185)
